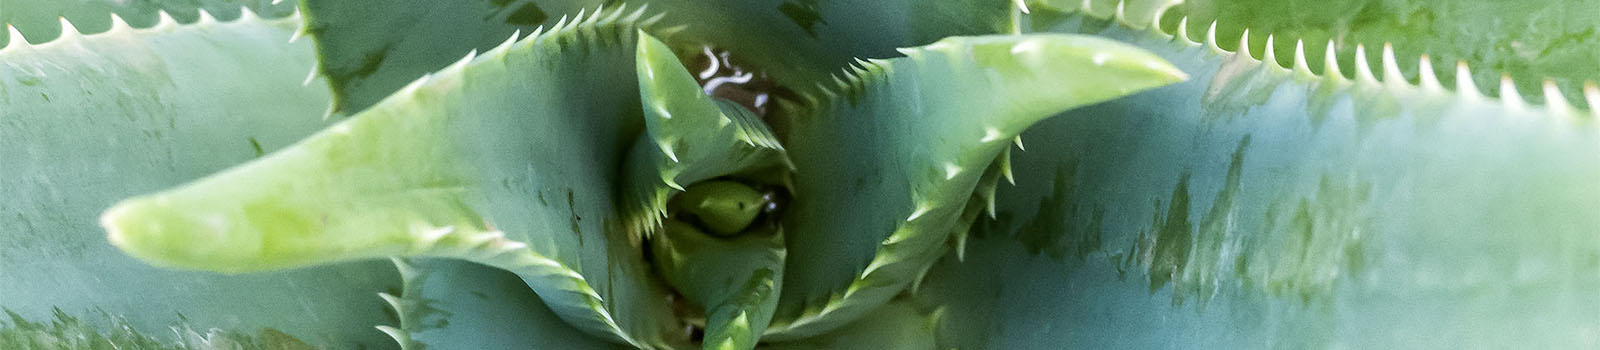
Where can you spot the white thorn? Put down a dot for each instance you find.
(1183, 30)
(1018, 141)
(205, 18)
(118, 24)
(1244, 44)
(1464, 84)
(316, 68)
(16, 37)
(1363, 69)
(1022, 5)
(990, 134)
(506, 46)
(918, 213)
(950, 170)
(1554, 100)
(1425, 75)
(1391, 67)
(1509, 95)
(666, 148)
(1300, 65)
(164, 20)
(661, 108)
(299, 32)
(1211, 36)
(68, 31)
(428, 236)
(1591, 92)
(1330, 62)
(1270, 55)
(1025, 46)
(248, 15)
(398, 335)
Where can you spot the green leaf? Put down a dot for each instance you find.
(897, 325)
(452, 304)
(1312, 211)
(507, 159)
(1554, 41)
(187, 101)
(41, 20)
(887, 158)
(689, 137)
(692, 137)
(372, 48)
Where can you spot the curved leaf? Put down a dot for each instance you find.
(692, 137)
(40, 20)
(189, 100)
(372, 48)
(1554, 41)
(898, 325)
(452, 304)
(1266, 207)
(887, 159)
(689, 137)
(507, 159)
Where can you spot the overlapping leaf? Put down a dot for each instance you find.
(40, 20)
(1269, 207)
(887, 159)
(371, 48)
(85, 121)
(508, 159)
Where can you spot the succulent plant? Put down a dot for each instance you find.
(799, 174)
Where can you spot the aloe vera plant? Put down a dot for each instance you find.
(799, 174)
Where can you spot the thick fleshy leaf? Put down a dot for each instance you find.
(40, 20)
(186, 101)
(689, 137)
(1558, 41)
(1267, 207)
(887, 158)
(509, 159)
(452, 304)
(371, 48)
(898, 325)
(692, 137)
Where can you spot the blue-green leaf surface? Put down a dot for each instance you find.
(371, 48)
(40, 20)
(453, 304)
(887, 157)
(88, 120)
(1256, 206)
(509, 159)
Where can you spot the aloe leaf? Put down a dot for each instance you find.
(1270, 207)
(452, 304)
(898, 325)
(736, 280)
(692, 137)
(1555, 41)
(689, 137)
(798, 42)
(71, 145)
(365, 57)
(40, 20)
(506, 159)
(887, 157)
(371, 48)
